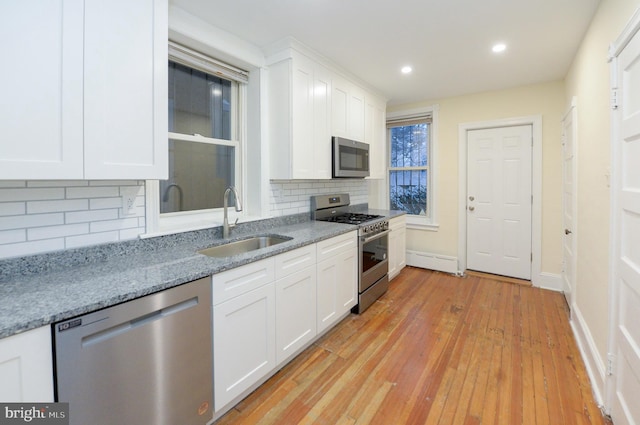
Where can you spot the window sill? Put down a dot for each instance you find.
(419, 223)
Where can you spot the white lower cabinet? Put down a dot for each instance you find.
(337, 285)
(243, 329)
(26, 367)
(397, 246)
(243, 342)
(295, 312)
(266, 312)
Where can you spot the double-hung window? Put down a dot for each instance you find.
(206, 119)
(411, 147)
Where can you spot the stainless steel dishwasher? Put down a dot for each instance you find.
(146, 361)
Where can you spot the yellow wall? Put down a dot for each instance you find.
(588, 80)
(547, 100)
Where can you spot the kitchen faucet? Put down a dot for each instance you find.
(226, 228)
(165, 198)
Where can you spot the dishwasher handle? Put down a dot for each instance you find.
(129, 325)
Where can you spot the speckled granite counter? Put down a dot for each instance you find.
(43, 289)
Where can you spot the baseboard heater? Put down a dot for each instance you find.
(426, 260)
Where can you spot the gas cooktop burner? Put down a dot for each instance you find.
(351, 218)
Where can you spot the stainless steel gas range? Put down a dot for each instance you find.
(373, 244)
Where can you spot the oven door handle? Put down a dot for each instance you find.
(374, 237)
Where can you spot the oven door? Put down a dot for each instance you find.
(350, 158)
(373, 259)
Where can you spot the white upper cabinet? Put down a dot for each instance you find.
(375, 135)
(347, 110)
(125, 80)
(86, 90)
(299, 107)
(356, 114)
(41, 106)
(309, 102)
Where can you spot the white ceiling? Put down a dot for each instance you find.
(447, 42)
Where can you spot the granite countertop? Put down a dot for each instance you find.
(42, 289)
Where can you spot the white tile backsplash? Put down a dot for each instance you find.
(42, 216)
(292, 197)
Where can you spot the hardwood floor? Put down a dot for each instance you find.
(436, 349)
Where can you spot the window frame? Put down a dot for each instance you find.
(173, 222)
(429, 221)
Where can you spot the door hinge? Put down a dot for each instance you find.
(531, 199)
(532, 257)
(614, 99)
(610, 364)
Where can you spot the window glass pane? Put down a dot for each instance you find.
(199, 173)
(408, 191)
(410, 145)
(199, 103)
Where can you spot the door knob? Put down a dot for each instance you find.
(471, 208)
(567, 232)
(471, 198)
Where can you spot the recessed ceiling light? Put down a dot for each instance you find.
(406, 70)
(500, 47)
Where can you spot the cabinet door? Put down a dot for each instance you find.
(356, 113)
(243, 343)
(41, 106)
(376, 136)
(339, 107)
(302, 122)
(125, 83)
(397, 246)
(26, 367)
(321, 122)
(295, 312)
(337, 287)
(327, 294)
(347, 283)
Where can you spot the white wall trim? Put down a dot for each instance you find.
(632, 27)
(594, 364)
(427, 260)
(537, 278)
(549, 281)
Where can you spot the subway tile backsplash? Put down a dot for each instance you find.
(44, 216)
(292, 196)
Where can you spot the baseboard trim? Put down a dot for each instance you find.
(549, 281)
(427, 260)
(594, 364)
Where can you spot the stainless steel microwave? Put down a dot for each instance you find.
(350, 158)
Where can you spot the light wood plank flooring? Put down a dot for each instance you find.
(436, 349)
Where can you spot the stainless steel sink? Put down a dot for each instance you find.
(243, 245)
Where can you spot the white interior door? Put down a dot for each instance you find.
(499, 201)
(568, 205)
(626, 240)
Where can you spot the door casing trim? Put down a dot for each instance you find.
(536, 189)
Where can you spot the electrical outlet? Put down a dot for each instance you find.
(128, 200)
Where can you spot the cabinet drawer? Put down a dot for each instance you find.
(334, 246)
(294, 261)
(230, 284)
